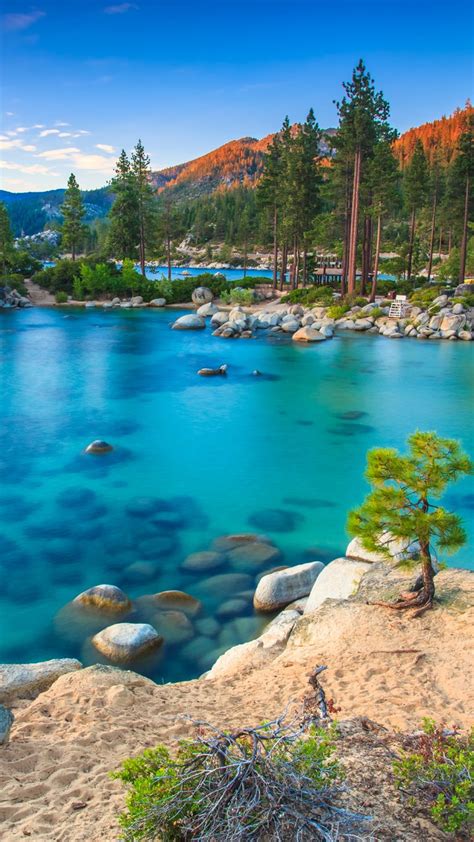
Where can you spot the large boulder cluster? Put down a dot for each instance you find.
(11, 299)
(442, 319)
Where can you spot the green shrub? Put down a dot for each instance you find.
(238, 296)
(376, 313)
(467, 300)
(322, 295)
(224, 786)
(439, 772)
(61, 297)
(424, 296)
(337, 311)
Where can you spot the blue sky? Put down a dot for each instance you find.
(81, 80)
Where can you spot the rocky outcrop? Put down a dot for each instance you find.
(338, 580)
(308, 334)
(278, 589)
(11, 299)
(6, 722)
(26, 681)
(125, 642)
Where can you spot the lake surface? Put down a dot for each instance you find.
(281, 454)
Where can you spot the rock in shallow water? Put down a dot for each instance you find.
(176, 601)
(279, 589)
(308, 334)
(107, 598)
(123, 642)
(203, 561)
(189, 322)
(98, 447)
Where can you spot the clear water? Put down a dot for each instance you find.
(218, 451)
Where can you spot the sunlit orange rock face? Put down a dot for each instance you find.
(438, 137)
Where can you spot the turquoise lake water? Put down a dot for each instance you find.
(281, 453)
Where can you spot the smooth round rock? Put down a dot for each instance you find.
(189, 322)
(228, 542)
(202, 295)
(232, 608)
(106, 598)
(253, 554)
(124, 642)
(173, 626)
(177, 601)
(275, 520)
(279, 589)
(98, 447)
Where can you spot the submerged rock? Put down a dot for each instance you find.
(276, 590)
(177, 601)
(107, 598)
(26, 681)
(253, 554)
(189, 322)
(124, 642)
(98, 447)
(203, 561)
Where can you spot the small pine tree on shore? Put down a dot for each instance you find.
(400, 505)
(73, 211)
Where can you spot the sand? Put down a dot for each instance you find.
(54, 780)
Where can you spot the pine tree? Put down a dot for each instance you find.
(436, 181)
(269, 193)
(167, 227)
(363, 120)
(415, 188)
(464, 169)
(400, 506)
(124, 227)
(145, 201)
(73, 211)
(6, 238)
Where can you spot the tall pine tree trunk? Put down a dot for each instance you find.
(305, 266)
(373, 291)
(463, 253)
(168, 255)
(411, 244)
(440, 242)
(73, 250)
(275, 247)
(352, 262)
(347, 228)
(296, 262)
(433, 225)
(366, 254)
(284, 262)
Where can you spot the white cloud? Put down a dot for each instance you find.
(60, 123)
(59, 154)
(11, 133)
(39, 126)
(65, 134)
(22, 20)
(82, 131)
(94, 162)
(9, 113)
(47, 132)
(6, 143)
(32, 169)
(120, 8)
(104, 147)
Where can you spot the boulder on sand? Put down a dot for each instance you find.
(338, 580)
(276, 590)
(26, 681)
(202, 295)
(123, 642)
(208, 309)
(189, 322)
(157, 302)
